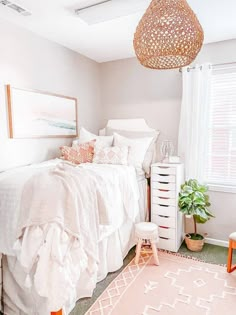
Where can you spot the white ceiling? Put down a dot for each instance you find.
(113, 39)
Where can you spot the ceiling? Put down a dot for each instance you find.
(112, 39)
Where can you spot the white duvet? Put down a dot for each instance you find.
(52, 218)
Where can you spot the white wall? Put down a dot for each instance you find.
(29, 61)
(130, 90)
(127, 90)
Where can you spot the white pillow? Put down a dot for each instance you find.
(111, 155)
(137, 148)
(151, 152)
(86, 136)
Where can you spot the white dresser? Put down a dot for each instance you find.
(166, 180)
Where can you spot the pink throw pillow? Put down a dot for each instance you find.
(81, 153)
(111, 155)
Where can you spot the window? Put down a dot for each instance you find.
(221, 167)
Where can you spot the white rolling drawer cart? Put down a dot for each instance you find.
(166, 180)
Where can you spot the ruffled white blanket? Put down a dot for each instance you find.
(58, 228)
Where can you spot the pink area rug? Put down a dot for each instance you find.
(178, 286)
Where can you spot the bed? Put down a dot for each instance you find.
(52, 258)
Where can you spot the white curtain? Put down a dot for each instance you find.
(193, 129)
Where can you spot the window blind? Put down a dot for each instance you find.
(221, 166)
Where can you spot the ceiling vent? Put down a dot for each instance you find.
(91, 5)
(98, 11)
(13, 6)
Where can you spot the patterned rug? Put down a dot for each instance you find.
(178, 286)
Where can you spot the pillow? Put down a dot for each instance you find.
(151, 152)
(137, 148)
(85, 136)
(111, 155)
(78, 154)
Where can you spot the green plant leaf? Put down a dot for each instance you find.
(193, 200)
(184, 210)
(199, 219)
(209, 213)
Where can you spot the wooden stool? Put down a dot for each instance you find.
(146, 232)
(232, 246)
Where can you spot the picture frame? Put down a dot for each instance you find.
(38, 114)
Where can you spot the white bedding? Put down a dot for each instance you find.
(72, 245)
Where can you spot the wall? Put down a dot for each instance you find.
(132, 91)
(29, 61)
(129, 90)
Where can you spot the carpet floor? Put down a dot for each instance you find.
(210, 253)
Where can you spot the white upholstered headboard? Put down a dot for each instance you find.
(127, 124)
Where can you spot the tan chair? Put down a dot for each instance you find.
(232, 246)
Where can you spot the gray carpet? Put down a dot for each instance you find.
(210, 253)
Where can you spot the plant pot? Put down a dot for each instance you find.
(188, 216)
(195, 245)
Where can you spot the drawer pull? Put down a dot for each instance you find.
(164, 201)
(164, 170)
(163, 227)
(164, 220)
(163, 178)
(163, 185)
(165, 210)
(164, 238)
(164, 193)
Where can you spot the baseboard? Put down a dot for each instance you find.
(214, 241)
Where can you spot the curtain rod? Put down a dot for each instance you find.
(216, 65)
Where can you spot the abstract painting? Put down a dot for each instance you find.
(35, 114)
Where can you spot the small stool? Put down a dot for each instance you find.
(146, 232)
(232, 246)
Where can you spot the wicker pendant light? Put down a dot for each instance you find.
(168, 36)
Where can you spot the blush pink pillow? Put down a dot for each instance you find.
(81, 153)
(111, 155)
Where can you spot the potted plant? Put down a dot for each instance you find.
(194, 202)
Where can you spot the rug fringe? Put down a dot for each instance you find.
(190, 257)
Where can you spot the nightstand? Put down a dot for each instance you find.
(166, 180)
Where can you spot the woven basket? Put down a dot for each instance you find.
(194, 245)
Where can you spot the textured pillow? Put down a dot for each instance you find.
(111, 155)
(137, 148)
(151, 152)
(85, 136)
(78, 154)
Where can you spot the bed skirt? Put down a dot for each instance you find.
(112, 251)
(113, 247)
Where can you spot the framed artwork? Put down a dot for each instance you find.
(36, 114)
